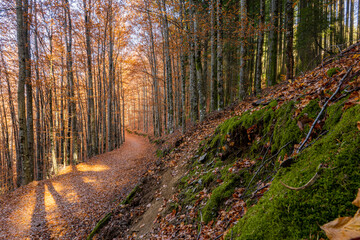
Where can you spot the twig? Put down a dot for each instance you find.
(308, 184)
(311, 143)
(201, 220)
(257, 190)
(262, 165)
(323, 108)
(219, 236)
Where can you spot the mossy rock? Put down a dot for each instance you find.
(289, 214)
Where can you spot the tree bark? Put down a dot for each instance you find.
(220, 79)
(273, 37)
(213, 77)
(260, 43)
(289, 40)
(243, 20)
(23, 157)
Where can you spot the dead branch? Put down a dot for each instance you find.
(324, 107)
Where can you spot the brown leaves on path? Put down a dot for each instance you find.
(69, 205)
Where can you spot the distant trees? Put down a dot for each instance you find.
(248, 45)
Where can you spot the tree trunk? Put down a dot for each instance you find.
(273, 37)
(23, 157)
(220, 79)
(73, 134)
(194, 97)
(213, 77)
(351, 33)
(182, 69)
(110, 130)
(243, 20)
(260, 43)
(199, 69)
(169, 85)
(289, 40)
(91, 105)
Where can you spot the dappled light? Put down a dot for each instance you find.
(68, 206)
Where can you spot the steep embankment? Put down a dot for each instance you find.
(278, 167)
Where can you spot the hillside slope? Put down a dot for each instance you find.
(274, 167)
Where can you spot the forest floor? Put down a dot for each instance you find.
(68, 206)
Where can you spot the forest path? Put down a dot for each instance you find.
(68, 206)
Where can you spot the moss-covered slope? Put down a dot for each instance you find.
(245, 153)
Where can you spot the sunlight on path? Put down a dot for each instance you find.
(68, 206)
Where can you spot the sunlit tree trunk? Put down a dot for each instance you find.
(23, 157)
(92, 149)
(72, 134)
(110, 125)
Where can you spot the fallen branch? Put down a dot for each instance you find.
(324, 107)
(308, 184)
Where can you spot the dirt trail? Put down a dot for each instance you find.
(68, 206)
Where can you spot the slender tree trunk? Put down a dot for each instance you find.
(21, 13)
(110, 129)
(272, 76)
(91, 105)
(194, 97)
(182, 69)
(220, 78)
(351, 33)
(199, 69)
(260, 43)
(29, 164)
(243, 19)
(169, 84)
(341, 22)
(73, 134)
(289, 40)
(213, 68)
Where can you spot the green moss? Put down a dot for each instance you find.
(131, 195)
(286, 130)
(311, 110)
(288, 214)
(332, 71)
(218, 196)
(334, 113)
(159, 153)
(99, 225)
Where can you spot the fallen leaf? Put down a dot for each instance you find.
(344, 228)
